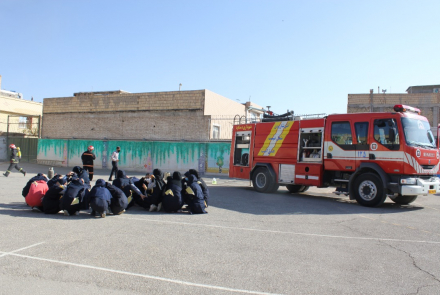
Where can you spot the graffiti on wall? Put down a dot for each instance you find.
(141, 156)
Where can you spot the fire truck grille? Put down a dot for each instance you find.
(428, 167)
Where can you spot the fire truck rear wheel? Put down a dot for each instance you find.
(368, 190)
(403, 200)
(262, 181)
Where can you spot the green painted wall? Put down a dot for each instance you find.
(139, 155)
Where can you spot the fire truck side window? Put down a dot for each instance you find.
(341, 134)
(361, 133)
(387, 133)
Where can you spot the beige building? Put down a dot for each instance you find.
(18, 118)
(425, 98)
(119, 115)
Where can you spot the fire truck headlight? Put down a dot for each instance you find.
(408, 181)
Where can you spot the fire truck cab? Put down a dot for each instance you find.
(367, 156)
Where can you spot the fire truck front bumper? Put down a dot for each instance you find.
(421, 186)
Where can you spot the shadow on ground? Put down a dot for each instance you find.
(246, 200)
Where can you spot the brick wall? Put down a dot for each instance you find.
(154, 101)
(428, 103)
(174, 115)
(135, 125)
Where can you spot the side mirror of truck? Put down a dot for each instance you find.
(392, 135)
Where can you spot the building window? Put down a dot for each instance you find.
(24, 122)
(215, 131)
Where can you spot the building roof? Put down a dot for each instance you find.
(422, 89)
(101, 92)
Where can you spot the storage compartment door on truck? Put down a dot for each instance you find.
(386, 144)
(309, 169)
(242, 148)
(339, 149)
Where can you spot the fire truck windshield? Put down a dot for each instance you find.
(418, 133)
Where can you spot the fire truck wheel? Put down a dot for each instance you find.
(262, 181)
(296, 188)
(368, 190)
(274, 188)
(403, 200)
(304, 189)
(292, 188)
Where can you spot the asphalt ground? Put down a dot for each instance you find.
(248, 243)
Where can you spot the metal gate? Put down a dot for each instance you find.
(28, 147)
(23, 131)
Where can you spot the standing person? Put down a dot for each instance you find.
(15, 159)
(87, 158)
(115, 160)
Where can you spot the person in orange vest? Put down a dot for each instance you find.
(15, 159)
(87, 158)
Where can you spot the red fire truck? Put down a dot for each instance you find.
(367, 156)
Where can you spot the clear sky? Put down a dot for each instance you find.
(305, 56)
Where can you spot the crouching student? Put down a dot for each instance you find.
(145, 186)
(73, 197)
(193, 195)
(39, 176)
(82, 173)
(158, 186)
(202, 184)
(100, 199)
(172, 195)
(126, 185)
(51, 200)
(119, 200)
(36, 192)
(55, 179)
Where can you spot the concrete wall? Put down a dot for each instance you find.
(139, 155)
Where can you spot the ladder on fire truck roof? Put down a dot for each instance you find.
(289, 116)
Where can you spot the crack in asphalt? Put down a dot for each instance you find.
(414, 263)
(420, 288)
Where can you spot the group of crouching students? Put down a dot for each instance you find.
(73, 193)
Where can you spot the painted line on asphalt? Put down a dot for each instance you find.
(18, 250)
(283, 232)
(140, 275)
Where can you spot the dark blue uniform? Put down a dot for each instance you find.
(100, 198)
(119, 200)
(74, 198)
(172, 195)
(194, 199)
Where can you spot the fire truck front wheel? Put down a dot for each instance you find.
(263, 182)
(403, 200)
(296, 188)
(368, 190)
